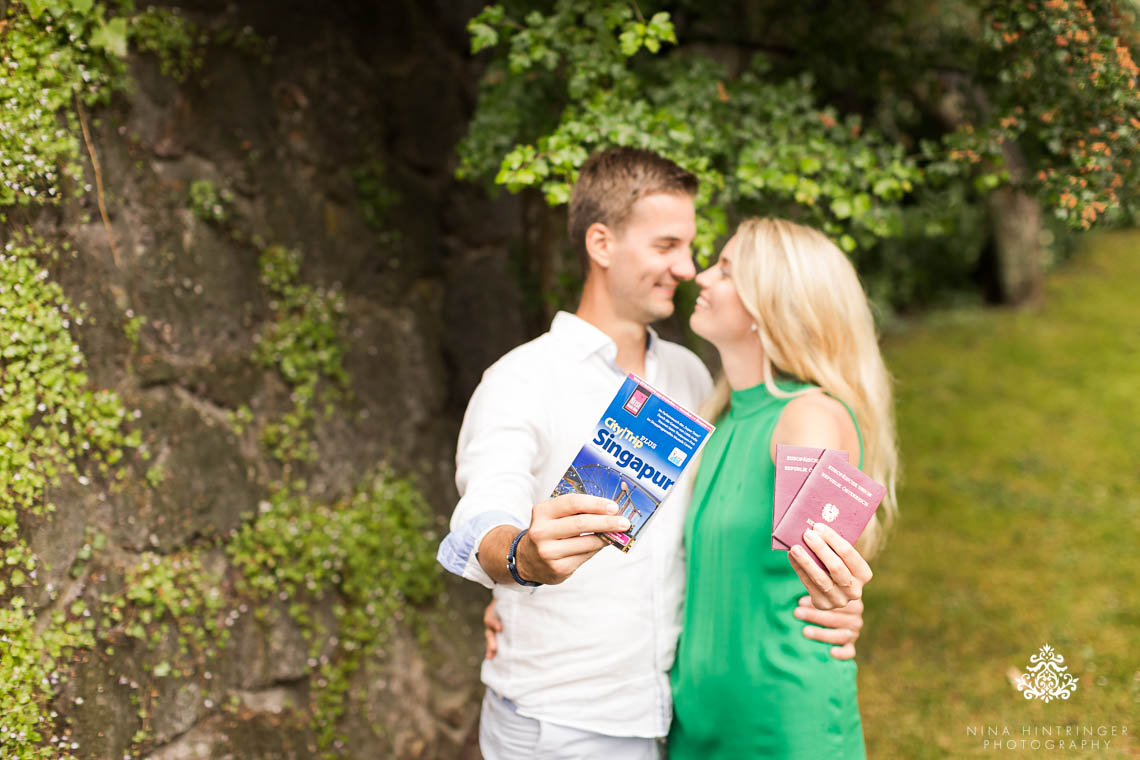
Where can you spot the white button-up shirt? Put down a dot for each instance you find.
(593, 652)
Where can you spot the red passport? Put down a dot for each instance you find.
(834, 492)
(793, 465)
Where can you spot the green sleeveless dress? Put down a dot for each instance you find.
(746, 682)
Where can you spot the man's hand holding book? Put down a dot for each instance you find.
(562, 535)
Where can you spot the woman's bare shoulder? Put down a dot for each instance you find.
(816, 419)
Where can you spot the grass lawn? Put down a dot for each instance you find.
(1020, 504)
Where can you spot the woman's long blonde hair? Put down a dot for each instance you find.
(815, 324)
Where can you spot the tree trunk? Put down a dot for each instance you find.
(1017, 222)
(1015, 216)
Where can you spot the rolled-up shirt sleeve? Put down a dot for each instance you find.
(498, 455)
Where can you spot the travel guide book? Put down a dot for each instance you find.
(820, 485)
(636, 454)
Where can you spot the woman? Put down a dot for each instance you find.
(785, 310)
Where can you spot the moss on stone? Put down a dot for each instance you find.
(373, 551)
(52, 425)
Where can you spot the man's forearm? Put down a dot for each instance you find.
(492, 553)
(559, 539)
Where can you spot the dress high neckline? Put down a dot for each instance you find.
(748, 401)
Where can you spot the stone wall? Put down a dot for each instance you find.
(429, 303)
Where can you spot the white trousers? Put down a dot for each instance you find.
(506, 735)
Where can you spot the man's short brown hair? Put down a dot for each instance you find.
(611, 181)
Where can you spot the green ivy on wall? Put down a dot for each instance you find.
(54, 53)
(171, 602)
(374, 550)
(209, 203)
(178, 43)
(54, 56)
(50, 419)
(51, 425)
(304, 344)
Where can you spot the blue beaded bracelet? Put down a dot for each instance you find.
(511, 561)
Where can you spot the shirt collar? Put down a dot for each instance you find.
(587, 339)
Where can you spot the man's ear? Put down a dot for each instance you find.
(599, 244)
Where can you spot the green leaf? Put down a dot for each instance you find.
(482, 36)
(885, 187)
(987, 182)
(630, 42)
(661, 28)
(112, 37)
(557, 193)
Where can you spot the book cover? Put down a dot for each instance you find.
(637, 452)
(834, 492)
(793, 464)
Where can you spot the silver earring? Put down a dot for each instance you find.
(755, 328)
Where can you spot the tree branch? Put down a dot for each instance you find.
(98, 179)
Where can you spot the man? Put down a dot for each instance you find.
(582, 661)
